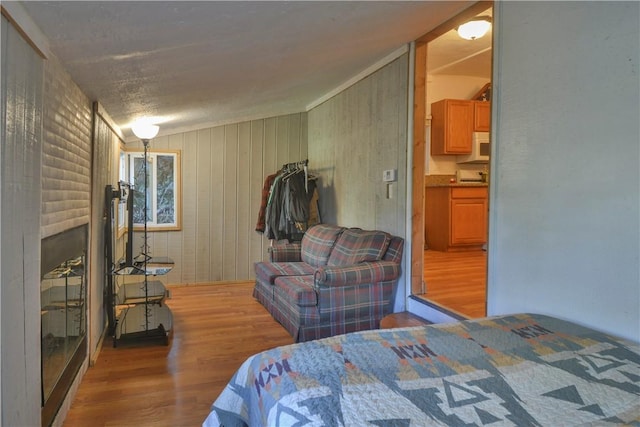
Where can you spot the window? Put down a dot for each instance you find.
(163, 189)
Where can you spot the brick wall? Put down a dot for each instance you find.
(66, 153)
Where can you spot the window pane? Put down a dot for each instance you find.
(162, 192)
(166, 189)
(139, 187)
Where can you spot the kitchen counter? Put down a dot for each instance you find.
(445, 181)
(459, 184)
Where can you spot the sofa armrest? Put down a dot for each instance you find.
(366, 272)
(285, 252)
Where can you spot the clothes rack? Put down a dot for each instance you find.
(289, 202)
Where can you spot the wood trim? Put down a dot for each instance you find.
(28, 30)
(419, 138)
(99, 110)
(419, 147)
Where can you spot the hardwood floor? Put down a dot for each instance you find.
(216, 327)
(457, 281)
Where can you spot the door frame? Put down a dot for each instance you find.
(419, 139)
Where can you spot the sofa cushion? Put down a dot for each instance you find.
(296, 291)
(268, 272)
(355, 246)
(394, 251)
(318, 242)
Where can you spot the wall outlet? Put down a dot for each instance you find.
(390, 175)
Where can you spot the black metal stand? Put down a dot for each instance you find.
(143, 305)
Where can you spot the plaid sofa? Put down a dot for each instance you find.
(336, 280)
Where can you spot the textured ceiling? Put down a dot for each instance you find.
(198, 64)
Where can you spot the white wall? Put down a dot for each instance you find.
(565, 197)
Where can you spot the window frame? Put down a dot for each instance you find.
(152, 155)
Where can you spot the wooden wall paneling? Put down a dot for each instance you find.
(189, 143)
(20, 193)
(243, 225)
(341, 140)
(282, 141)
(387, 154)
(321, 133)
(230, 202)
(294, 137)
(106, 148)
(367, 153)
(223, 170)
(304, 146)
(270, 160)
(216, 202)
(258, 175)
(203, 206)
(348, 149)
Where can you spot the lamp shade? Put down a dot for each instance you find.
(475, 28)
(144, 129)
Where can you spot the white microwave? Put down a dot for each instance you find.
(480, 149)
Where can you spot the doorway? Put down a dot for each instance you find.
(451, 278)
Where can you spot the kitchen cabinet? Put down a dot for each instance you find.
(453, 122)
(481, 116)
(455, 217)
(451, 126)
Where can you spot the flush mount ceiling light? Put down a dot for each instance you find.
(475, 28)
(144, 129)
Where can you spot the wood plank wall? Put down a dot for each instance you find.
(20, 199)
(106, 149)
(353, 138)
(223, 171)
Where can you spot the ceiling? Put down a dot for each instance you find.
(191, 65)
(452, 55)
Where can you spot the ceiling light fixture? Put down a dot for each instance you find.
(475, 28)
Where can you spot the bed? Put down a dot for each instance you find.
(520, 370)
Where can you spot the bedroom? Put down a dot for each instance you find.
(554, 260)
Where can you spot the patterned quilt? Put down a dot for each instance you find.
(519, 370)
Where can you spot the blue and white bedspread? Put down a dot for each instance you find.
(519, 370)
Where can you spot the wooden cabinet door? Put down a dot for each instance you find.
(482, 116)
(451, 126)
(468, 221)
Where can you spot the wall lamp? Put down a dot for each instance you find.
(475, 28)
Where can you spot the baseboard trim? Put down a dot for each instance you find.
(431, 311)
(93, 357)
